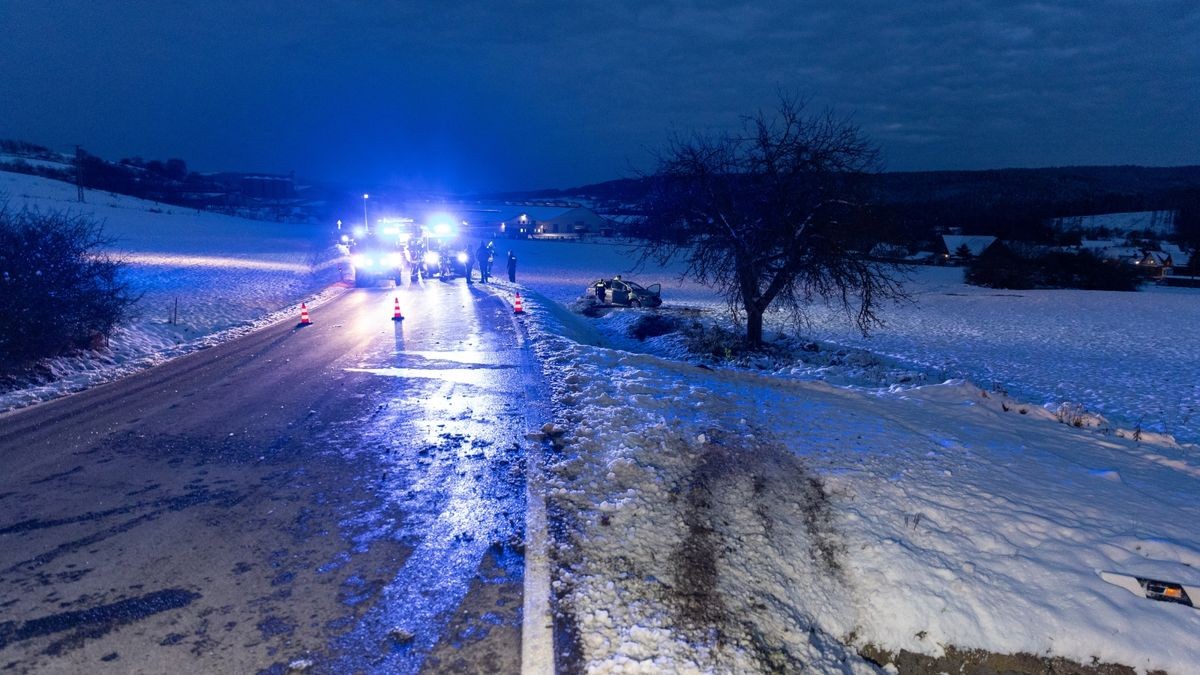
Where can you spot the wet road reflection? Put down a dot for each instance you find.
(346, 497)
(453, 430)
(471, 376)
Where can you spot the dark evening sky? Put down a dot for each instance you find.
(511, 95)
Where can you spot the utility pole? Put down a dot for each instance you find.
(79, 173)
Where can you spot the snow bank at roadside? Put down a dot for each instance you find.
(654, 506)
(734, 520)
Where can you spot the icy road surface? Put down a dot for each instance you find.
(346, 496)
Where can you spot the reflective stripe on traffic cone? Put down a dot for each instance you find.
(304, 315)
(396, 315)
(517, 309)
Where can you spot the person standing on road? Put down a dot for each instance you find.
(481, 257)
(512, 267)
(469, 262)
(412, 254)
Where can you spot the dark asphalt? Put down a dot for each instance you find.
(343, 497)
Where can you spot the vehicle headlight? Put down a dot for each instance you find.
(431, 258)
(395, 259)
(462, 258)
(361, 260)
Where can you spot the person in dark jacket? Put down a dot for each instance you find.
(512, 267)
(482, 255)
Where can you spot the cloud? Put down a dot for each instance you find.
(529, 94)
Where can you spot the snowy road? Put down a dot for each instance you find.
(347, 496)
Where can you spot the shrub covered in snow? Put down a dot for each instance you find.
(60, 293)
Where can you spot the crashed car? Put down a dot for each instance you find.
(617, 291)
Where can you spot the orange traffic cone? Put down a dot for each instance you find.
(517, 309)
(396, 315)
(304, 315)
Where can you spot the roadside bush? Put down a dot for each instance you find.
(727, 345)
(714, 341)
(1085, 270)
(60, 293)
(1001, 267)
(652, 325)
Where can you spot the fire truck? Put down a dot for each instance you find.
(400, 247)
(378, 256)
(436, 251)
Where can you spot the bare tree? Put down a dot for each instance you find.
(773, 216)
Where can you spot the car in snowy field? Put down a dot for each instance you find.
(617, 291)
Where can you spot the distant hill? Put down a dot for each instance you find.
(1072, 183)
(1009, 203)
(1022, 203)
(1060, 184)
(917, 205)
(252, 195)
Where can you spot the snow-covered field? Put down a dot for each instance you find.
(64, 165)
(754, 518)
(1132, 357)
